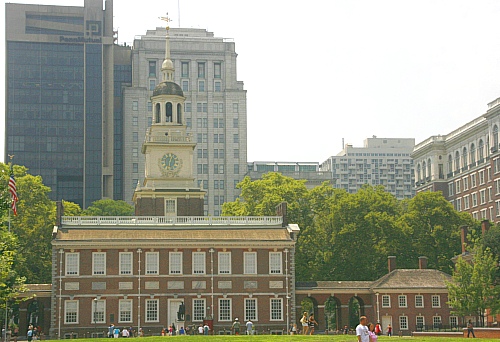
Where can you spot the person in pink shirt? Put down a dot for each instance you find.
(371, 332)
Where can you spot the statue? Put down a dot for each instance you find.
(181, 312)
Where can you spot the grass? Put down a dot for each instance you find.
(263, 338)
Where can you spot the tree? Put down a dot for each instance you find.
(71, 209)
(472, 289)
(491, 240)
(109, 207)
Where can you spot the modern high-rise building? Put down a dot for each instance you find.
(381, 161)
(464, 165)
(62, 109)
(214, 109)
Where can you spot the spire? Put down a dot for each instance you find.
(167, 67)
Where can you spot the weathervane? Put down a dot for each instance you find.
(167, 20)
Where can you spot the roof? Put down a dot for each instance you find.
(168, 88)
(412, 278)
(337, 285)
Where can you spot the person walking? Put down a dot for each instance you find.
(470, 329)
(236, 326)
(362, 330)
(305, 323)
(311, 323)
(389, 330)
(249, 326)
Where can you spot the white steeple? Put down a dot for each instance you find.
(167, 67)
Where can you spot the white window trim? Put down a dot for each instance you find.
(204, 309)
(245, 254)
(230, 310)
(407, 323)
(103, 301)
(419, 306)
(170, 263)
(94, 254)
(386, 306)
(423, 320)
(219, 263)
(131, 263)
(120, 310)
(399, 301)
(201, 271)
(280, 262)
(434, 322)
(174, 213)
(146, 257)
(438, 299)
(271, 309)
(157, 310)
(66, 302)
(66, 256)
(256, 308)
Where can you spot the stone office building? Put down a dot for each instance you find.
(464, 165)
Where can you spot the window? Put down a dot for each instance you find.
(250, 309)
(184, 69)
(236, 153)
(473, 180)
(482, 196)
(152, 68)
(99, 311)
(497, 203)
(219, 153)
(185, 85)
(217, 86)
(386, 301)
(481, 177)
(224, 309)
(224, 262)
(219, 138)
(474, 199)
(419, 301)
(466, 202)
(135, 121)
(150, 106)
(218, 107)
(275, 263)
(249, 263)
(219, 169)
(236, 138)
(403, 323)
(450, 188)
(235, 123)
(218, 123)
(236, 169)
(188, 123)
(201, 107)
(201, 85)
(198, 310)
(151, 310)
(457, 186)
(454, 321)
(201, 70)
(235, 108)
(436, 322)
(152, 85)
(70, 311)
(170, 207)
(276, 309)
(436, 301)
(135, 105)
(72, 263)
(125, 263)
(458, 204)
(198, 262)
(217, 70)
(187, 107)
(202, 169)
(402, 301)
(135, 152)
(236, 182)
(465, 182)
(135, 136)
(175, 264)
(152, 259)
(420, 323)
(125, 311)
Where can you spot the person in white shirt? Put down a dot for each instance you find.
(362, 330)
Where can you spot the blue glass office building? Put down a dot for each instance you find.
(63, 114)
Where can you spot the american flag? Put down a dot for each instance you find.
(13, 193)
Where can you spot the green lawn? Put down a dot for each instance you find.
(340, 338)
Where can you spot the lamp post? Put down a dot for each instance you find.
(287, 294)
(61, 253)
(211, 250)
(378, 308)
(95, 317)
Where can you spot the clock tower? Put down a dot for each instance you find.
(169, 187)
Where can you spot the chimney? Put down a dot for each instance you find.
(422, 262)
(463, 237)
(391, 261)
(485, 226)
(281, 210)
(59, 213)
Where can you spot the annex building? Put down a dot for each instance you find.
(464, 165)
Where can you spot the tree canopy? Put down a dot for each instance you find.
(349, 236)
(109, 207)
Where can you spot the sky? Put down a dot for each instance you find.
(317, 72)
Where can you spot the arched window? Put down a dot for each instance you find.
(472, 153)
(457, 161)
(179, 113)
(418, 172)
(157, 113)
(429, 167)
(480, 148)
(169, 112)
(464, 157)
(495, 138)
(424, 170)
(450, 163)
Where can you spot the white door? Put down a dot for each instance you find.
(173, 308)
(386, 320)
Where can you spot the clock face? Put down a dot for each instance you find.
(170, 162)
